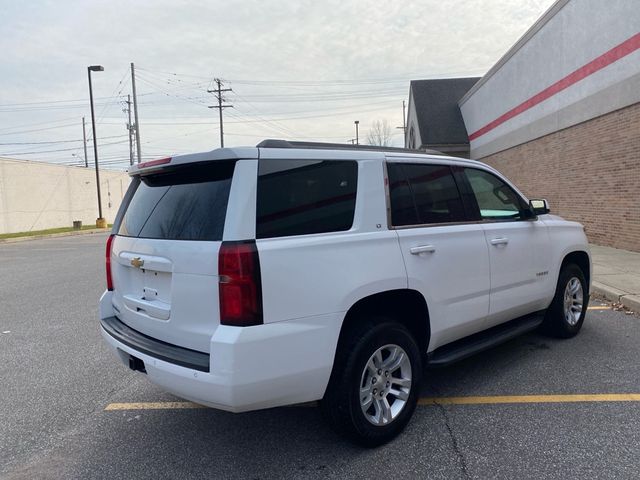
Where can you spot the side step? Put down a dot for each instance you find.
(465, 347)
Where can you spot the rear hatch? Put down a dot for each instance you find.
(165, 254)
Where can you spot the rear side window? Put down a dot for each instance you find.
(300, 197)
(188, 203)
(423, 194)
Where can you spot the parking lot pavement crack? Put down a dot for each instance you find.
(454, 441)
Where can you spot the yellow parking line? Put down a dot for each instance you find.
(502, 399)
(153, 406)
(475, 400)
(599, 307)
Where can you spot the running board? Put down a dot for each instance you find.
(465, 347)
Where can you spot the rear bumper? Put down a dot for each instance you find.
(249, 368)
(183, 357)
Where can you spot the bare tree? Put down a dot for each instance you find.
(379, 134)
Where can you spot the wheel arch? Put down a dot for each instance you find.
(582, 260)
(407, 306)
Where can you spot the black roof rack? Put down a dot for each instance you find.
(275, 143)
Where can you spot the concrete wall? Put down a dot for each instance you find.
(579, 61)
(589, 173)
(38, 195)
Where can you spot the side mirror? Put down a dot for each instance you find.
(539, 206)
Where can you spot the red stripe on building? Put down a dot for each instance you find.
(616, 53)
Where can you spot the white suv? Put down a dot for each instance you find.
(248, 278)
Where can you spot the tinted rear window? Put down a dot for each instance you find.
(188, 203)
(298, 197)
(423, 194)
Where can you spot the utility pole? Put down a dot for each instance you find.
(84, 139)
(404, 124)
(135, 111)
(356, 123)
(129, 129)
(218, 93)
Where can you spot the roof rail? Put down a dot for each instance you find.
(275, 143)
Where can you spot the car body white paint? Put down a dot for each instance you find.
(310, 282)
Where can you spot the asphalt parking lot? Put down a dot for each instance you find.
(68, 409)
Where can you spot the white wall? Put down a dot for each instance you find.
(38, 195)
(570, 35)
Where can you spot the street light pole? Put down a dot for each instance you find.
(100, 221)
(84, 143)
(357, 122)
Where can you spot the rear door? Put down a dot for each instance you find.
(444, 252)
(165, 254)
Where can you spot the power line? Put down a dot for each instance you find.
(273, 122)
(277, 115)
(57, 150)
(52, 101)
(375, 80)
(49, 122)
(168, 93)
(39, 129)
(59, 141)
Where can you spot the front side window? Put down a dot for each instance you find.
(496, 200)
(423, 194)
(301, 197)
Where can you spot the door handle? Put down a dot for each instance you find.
(499, 241)
(422, 249)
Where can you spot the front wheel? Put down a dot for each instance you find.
(565, 315)
(375, 384)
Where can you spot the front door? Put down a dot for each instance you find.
(517, 244)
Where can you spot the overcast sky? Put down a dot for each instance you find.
(299, 69)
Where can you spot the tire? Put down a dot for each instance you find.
(359, 370)
(564, 320)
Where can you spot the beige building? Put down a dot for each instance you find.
(39, 195)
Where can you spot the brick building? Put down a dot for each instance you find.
(559, 114)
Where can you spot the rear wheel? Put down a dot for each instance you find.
(375, 382)
(565, 315)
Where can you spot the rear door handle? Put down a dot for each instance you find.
(422, 249)
(499, 241)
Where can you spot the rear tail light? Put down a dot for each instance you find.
(240, 284)
(108, 262)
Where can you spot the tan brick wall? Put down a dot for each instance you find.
(589, 173)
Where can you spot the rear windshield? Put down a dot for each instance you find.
(187, 203)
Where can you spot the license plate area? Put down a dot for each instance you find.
(152, 286)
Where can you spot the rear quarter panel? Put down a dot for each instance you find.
(320, 274)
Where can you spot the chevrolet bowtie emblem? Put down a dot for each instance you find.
(137, 262)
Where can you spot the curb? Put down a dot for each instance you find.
(628, 300)
(54, 235)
